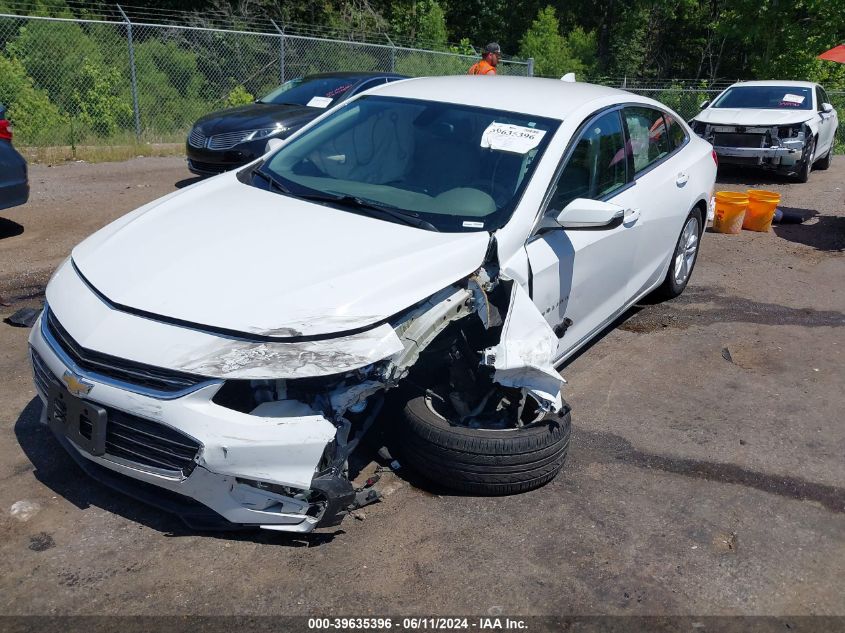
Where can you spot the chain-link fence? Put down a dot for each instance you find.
(105, 82)
(119, 80)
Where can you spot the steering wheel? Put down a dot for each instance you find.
(496, 190)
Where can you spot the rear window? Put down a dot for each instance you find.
(676, 132)
(766, 98)
(314, 92)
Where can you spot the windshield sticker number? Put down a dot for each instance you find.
(506, 137)
(472, 225)
(792, 99)
(319, 102)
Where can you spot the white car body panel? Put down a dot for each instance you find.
(226, 281)
(232, 257)
(97, 326)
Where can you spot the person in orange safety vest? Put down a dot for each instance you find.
(489, 60)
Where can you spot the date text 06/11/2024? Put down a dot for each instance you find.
(417, 624)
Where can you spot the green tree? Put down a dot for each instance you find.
(422, 21)
(550, 50)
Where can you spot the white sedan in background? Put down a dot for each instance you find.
(785, 126)
(221, 351)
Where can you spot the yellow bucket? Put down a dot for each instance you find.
(761, 209)
(730, 212)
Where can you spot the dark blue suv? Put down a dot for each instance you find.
(14, 185)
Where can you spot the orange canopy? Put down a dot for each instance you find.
(835, 54)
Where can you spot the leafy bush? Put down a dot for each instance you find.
(238, 96)
(37, 121)
(99, 100)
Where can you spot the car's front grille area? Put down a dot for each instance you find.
(149, 443)
(735, 139)
(129, 437)
(148, 377)
(227, 140)
(197, 138)
(209, 168)
(42, 374)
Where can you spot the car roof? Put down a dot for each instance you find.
(352, 74)
(550, 98)
(775, 83)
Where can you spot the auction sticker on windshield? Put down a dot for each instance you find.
(790, 98)
(507, 137)
(319, 102)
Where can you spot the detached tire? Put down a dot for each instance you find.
(483, 462)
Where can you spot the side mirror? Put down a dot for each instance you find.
(704, 104)
(273, 144)
(826, 107)
(583, 213)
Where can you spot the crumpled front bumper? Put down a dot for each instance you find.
(242, 463)
(758, 152)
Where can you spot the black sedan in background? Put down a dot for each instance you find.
(14, 184)
(230, 138)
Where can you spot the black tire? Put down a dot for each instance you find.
(483, 462)
(803, 174)
(824, 163)
(671, 287)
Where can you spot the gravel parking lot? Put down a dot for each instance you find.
(706, 473)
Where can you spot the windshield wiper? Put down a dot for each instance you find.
(274, 184)
(351, 202)
(361, 204)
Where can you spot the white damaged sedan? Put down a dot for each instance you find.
(426, 254)
(784, 126)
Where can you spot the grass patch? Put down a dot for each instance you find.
(99, 153)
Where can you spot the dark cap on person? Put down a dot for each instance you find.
(493, 47)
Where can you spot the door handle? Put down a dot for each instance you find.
(681, 179)
(631, 216)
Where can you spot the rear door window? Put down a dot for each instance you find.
(648, 136)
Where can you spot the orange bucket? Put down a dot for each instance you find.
(730, 212)
(761, 210)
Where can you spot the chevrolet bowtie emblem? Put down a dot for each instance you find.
(75, 384)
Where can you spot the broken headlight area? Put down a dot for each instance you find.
(331, 395)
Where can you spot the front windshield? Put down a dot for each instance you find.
(315, 92)
(458, 168)
(766, 98)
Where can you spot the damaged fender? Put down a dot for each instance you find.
(524, 358)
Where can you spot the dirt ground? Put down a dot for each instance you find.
(706, 473)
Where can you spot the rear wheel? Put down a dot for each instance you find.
(489, 460)
(683, 258)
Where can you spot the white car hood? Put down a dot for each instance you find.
(752, 116)
(227, 255)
